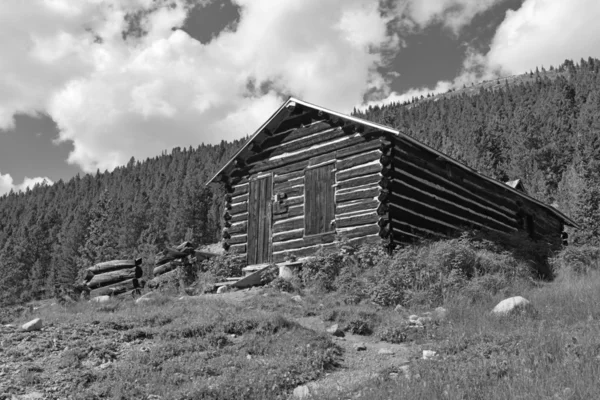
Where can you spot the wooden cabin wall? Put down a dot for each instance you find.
(432, 197)
(355, 159)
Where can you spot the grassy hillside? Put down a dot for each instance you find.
(265, 343)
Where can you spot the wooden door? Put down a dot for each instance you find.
(259, 220)
(319, 200)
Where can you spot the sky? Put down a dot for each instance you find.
(87, 84)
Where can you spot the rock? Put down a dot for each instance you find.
(30, 396)
(413, 318)
(33, 325)
(100, 299)
(440, 313)
(512, 305)
(385, 352)
(301, 392)
(297, 298)
(223, 289)
(335, 331)
(429, 354)
(360, 346)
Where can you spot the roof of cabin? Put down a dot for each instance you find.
(281, 115)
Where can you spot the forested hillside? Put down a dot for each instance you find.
(50, 233)
(543, 128)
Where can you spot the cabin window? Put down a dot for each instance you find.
(319, 200)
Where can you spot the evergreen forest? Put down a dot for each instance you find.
(542, 127)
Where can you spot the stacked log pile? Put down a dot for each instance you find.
(116, 277)
(170, 262)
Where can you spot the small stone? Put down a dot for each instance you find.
(248, 356)
(512, 305)
(393, 374)
(33, 325)
(360, 346)
(385, 352)
(297, 299)
(335, 331)
(429, 354)
(413, 317)
(100, 299)
(301, 392)
(223, 289)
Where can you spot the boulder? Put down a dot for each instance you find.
(145, 298)
(413, 318)
(335, 331)
(301, 392)
(223, 289)
(33, 325)
(297, 298)
(512, 305)
(429, 354)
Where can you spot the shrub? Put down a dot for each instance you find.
(579, 260)
(223, 266)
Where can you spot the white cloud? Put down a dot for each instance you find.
(544, 33)
(115, 98)
(7, 184)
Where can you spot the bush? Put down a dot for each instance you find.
(579, 260)
(223, 266)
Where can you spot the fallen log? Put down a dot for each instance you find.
(161, 269)
(159, 280)
(117, 288)
(113, 277)
(113, 265)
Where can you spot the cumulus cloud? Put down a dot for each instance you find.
(119, 82)
(546, 32)
(7, 184)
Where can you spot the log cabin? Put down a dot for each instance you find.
(310, 176)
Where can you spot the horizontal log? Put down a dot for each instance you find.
(357, 205)
(358, 231)
(282, 186)
(403, 214)
(383, 221)
(293, 201)
(359, 159)
(385, 231)
(240, 189)
(237, 239)
(302, 252)
(364, 169)
(368, 145)
(297, 121)
(280, 208)
(354, 220)
(292, 191)
(109, 278)
(367, 192)
(238, 208)
(237, 248)
(441, 187)
(291, 212)
(225, 245)
(288, 235)
(315, 127)
(113, 265)
(360, 181)
(237, 218)
(283, 178)
(288, 224)
(417, 228)
(304, 242)
(384, 182)
(322, 159)
(460, 210)
(170, 266)
(238, 228)
(115, 289)
(240, 198)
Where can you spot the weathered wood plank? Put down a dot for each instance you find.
(238, 218)
(366, 192)
(282, 186)
(238, 228)
(239, 189)
(109, 278)
(237, 248)
(237, 239)
(288, 235)
(288, 224)
(320, 203)
(359, 159)
(304, 242)
(364, 169)
(359, 219)
(291, 212)
(358, 231)
(239, 199)
(357, 205)
(368, 145)
(238, 208)
(360, 181)
(282, 178)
